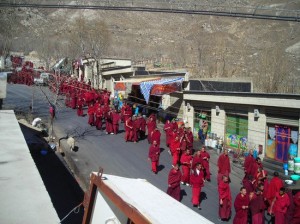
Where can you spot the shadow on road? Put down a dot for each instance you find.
(62, 187)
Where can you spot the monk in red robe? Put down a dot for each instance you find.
(257, 206)
(205, 162)
(73, 99)
(153, 156)
(274, 187)
(248, 184)
(167, 129)
(256, 166)
(196, 159)
(99, 117)
(224, 199)
(175, 150)
(127, 112)
(241, 204)
(279, 206)
(172, 136)
(91, 114)
(128, 129)
(174, 125)
(155, 136)
(296, 216)
(197, 182)
(248, 164)
(151, 125)
(186, 162)
(189, 138)
(108, 123)
(174, 182)
(223, 165)
(115, 116)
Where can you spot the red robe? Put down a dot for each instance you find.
(186, 160)
(175, 150)
(241, 215)
(172, 136)
(274, 186)
(190, 139)
(257, 207)
(248, 164)
(296, 217)
(115, 122)
(174, 126)
(174, 184)
(155, 136)
(196, 159)
(108, 123)
(151, 125)
(280, 208)
(205, 163)
(136, 128)
(223, 166)
(225, 195)
(99, 117)
(167, 129)
(128, 129)
(197, 183)
(91, 112)
(153, 154)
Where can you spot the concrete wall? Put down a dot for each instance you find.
(257, 131)
(218, 122)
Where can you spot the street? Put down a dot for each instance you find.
(96, 149)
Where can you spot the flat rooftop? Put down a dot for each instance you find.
(24, 198)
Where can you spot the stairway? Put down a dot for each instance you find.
(271, 166)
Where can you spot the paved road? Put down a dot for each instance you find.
(113, 154)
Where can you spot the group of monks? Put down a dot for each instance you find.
(195, 169)
(256, 196)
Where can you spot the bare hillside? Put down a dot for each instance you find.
(208, 46)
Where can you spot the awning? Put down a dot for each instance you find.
(125, 84)
(160, 87)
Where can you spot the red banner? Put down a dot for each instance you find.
(160, 89)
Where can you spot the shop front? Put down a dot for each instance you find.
(282, 139)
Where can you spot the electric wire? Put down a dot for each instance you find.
(75, 210)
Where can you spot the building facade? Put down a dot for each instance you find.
(266, 122)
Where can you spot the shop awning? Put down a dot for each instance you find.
(160, 87)
(124, 84)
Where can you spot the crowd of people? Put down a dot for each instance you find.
(257, 195)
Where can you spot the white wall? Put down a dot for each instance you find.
(218, 123)
(257, 131)
(106, 212)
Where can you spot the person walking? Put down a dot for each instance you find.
(197, 182)
(223, 165)
(224, 199)
(153, 156)
(241, 205)
(174, 179)
(204, 155)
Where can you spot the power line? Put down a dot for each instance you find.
(171, 7)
